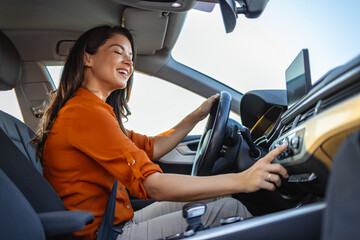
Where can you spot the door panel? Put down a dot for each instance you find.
(182, 155)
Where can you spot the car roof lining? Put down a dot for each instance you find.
(154, 31)
(44, 14)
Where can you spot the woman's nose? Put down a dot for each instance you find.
(128, 60)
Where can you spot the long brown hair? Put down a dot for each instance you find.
(73, 76)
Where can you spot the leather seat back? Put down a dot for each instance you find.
(10, 75)
(341, 218)
(20, 135)
(10, 64)
(17, 157)
(27, 178)
(19, 220)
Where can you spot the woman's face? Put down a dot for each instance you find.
(111, 67)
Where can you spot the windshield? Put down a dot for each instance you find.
(256, 54)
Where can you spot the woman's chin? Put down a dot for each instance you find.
(121, 84)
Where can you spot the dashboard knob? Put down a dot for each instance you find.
(285, 141)
(294, 142)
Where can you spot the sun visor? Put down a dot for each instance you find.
(148, 30)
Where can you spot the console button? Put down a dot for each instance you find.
(285, 141)
(294, 142)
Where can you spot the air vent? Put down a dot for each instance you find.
(287, 128)
(305, 116)
(322, 105)
(340, 96)
(299, 119)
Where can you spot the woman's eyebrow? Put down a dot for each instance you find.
(120, 46)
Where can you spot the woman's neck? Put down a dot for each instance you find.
(98, 93)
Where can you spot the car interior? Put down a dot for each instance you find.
(319, 122)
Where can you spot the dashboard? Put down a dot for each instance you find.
(313, 128)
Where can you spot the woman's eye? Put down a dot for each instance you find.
(120, 53)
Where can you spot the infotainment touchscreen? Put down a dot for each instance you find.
(298, 80)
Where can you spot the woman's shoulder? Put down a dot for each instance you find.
(86, 107)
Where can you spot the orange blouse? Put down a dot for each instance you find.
(86, 151)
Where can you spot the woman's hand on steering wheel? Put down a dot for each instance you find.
(204, 109)
(264, 174)
(211, 141)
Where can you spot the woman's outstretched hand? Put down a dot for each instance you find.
(264, 174)
(175, 187)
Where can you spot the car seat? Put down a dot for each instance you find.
(22, 216)
(19, 163)
(24, 171)
(341, 218)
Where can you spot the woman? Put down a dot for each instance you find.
(85, 147)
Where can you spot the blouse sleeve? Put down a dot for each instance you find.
(96, 133)
(143, 142)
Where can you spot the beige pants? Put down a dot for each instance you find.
(162, 219)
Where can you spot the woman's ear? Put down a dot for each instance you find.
(87, 60)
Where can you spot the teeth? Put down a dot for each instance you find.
(122, 71)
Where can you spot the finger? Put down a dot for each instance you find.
(274, 153)
(214, 97)
(274, 178)
(278, 169)
(268, 186)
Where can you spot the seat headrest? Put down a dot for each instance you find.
(10, 64)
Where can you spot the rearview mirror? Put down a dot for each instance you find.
(250, 8)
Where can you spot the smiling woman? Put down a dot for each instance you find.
(109, 68)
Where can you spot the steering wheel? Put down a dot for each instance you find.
(211, 140)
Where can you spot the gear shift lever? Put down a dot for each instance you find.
(192, 213)
(254, 150)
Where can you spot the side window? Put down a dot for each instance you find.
(55, 73)
(8, 99)
(157, 106)
(10, 104)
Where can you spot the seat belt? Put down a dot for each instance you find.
(105, 231)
